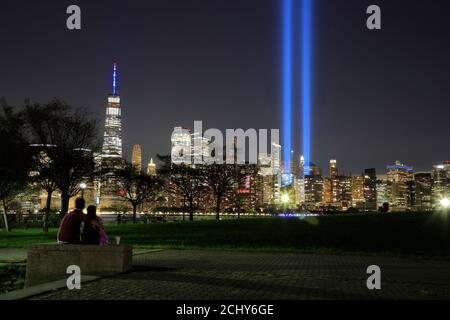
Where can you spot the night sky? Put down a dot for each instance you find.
(378, 96)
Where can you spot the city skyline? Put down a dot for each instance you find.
(166, 81)
(206, 152)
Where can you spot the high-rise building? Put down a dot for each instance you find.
(398, 177)
(267, 180)
(265, 165)
(189, 148)
(151, 168)
(181, 146)
(302, 165)
(200, 147)
(276, 169)
(370, 189)
(337, 189)
(441, 183)
(345, 186)
(327, 191)
(266, 190)
(333, 168)
(382, 193)
(313, 185)
(358, 199)
(424, 186)
(136, 159)
(298, 190)
(302, 179)
(111, 157)
(246, 191)
(112, 138)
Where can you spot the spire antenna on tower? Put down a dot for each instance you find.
(114, 84)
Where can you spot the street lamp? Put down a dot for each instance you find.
(445, 203)
(83, 186)
(285, 198)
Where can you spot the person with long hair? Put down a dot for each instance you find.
(93, 230)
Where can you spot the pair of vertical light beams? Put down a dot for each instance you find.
(288, 101)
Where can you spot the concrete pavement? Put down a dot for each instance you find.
(236, 275)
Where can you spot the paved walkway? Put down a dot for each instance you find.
(205, 275)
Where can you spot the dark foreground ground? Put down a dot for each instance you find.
(210, 275)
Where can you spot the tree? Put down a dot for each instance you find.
(137, 188)
(43, 174)
(69, 138)
(189, 182)
(240, 175)
(220, 179)
(15, 164)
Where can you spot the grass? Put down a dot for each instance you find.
(12, 277)
(417, 234)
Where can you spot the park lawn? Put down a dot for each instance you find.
(420, 234)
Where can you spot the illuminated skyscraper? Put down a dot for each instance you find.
(313, 185)
(265, 164)
(301, 165)
(333, 168)
(327, 191)
(266, 180)
(370, 189)
(358, 200)
(136, 159)
(423, 190)
(189, 148)
(441, 182)
(112, 138)
(111, 158)
(337, 191)
(151, 168)
(398, 177)
(302, 179)
(382, 193)
(276, 169)
(200, 147)
(181, 146)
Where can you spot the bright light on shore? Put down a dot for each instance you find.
(445, 203)
(285, 198)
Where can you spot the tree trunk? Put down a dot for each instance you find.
(184, 208)
(134, 213)
(191, 211)
(218, 202)
(47, 210)
(5, 217)
(64, 203)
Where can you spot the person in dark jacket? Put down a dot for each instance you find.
(92, 227)
(69, 229)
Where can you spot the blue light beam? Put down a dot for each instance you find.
(287, 82)
(306, 80)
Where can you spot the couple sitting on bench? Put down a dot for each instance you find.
(93, 231)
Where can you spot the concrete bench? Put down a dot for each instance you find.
(49, 262)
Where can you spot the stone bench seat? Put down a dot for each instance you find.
(49, 262)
